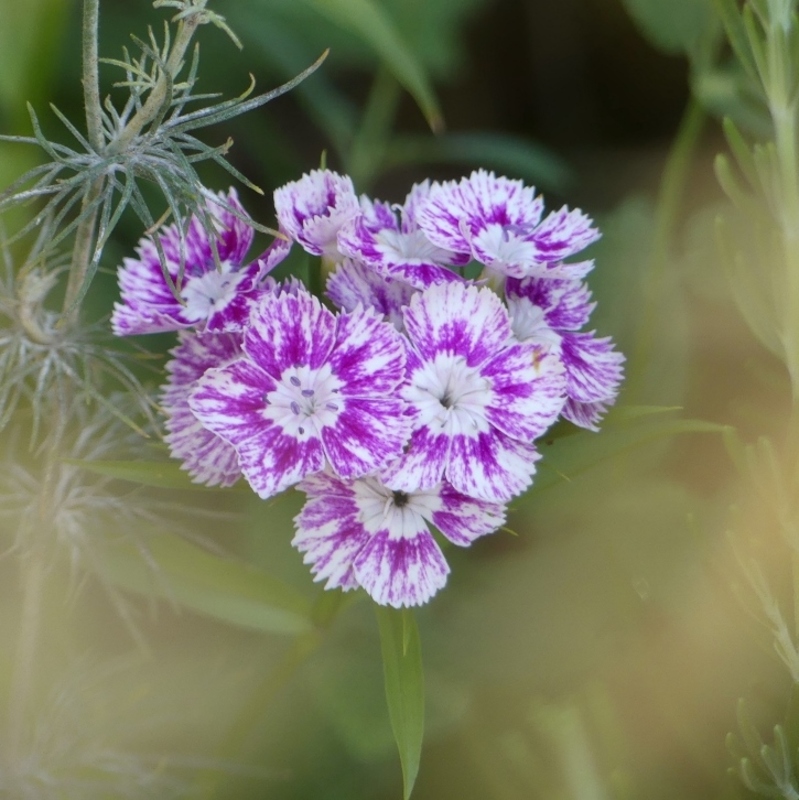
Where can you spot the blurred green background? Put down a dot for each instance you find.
(595, 650)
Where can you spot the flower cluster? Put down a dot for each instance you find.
(414, 406)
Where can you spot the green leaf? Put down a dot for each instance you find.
(676, 26)
(161, 474)
(736, 33)
(568, 456)
(369, 21)
(174, 569)
(404, 681)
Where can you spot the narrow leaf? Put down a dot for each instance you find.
(176, 570)
(366, 19)
(569, 456)
(161, 474)
(736, 33)
(404, 681)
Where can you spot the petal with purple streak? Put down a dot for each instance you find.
(423, 463)
(353, 283)
(465, 320)
(367, 435)
(593, 367)
(313, 209)
(272, 461)
(463, 519)
(405, 570)
(289, 330)
(562, 234)
(208, 458)
(528, 390)
(229, 400)
(368, 355)
(491, 466)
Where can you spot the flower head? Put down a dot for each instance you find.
(397, 248)
(477, 396)
(312, 390)
(497, 221)
(362, 533)
(209, 297)
(354, 283)
(208, 458)
(553, 311)
(313, 210)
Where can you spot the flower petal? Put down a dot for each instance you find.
(491, 466)
(405, 571)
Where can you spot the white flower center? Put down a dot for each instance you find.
(401, 513)
(414, 246)
(305, 401)
(451, 395)
(529, 324)
(504, 245)
(209, 293)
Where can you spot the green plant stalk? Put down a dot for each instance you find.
(783, 110)
(82, 253)
(158, 96)
(91, 74)
(33, 573)
(86, 232)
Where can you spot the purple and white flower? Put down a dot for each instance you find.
(312, 390)
(208, 458)
(210, 297)
(498, 222)
(362, 533)
(477, 396)
(354, 283)
(312, 210)
(395, 248)
(551, 312)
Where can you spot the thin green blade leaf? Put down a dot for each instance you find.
(367, 20)
(231, 591)
(568, 456)
(404, 681)
(159, 474)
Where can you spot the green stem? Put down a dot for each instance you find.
(676, 174)
(81, 254)
(91, 74)
(33, 573)
(158, 96)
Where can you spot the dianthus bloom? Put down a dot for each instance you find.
(477, 396)
(498, 222)
(312, 210)
(208, 458)
(396, 248)
(209, 297)
(362, 533)
(312, 390)
(354, 283)
(552, 311)
(413, 408)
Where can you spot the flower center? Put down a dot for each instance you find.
(451, 395)
(400, 499)
(206, 294)
(305, 401)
